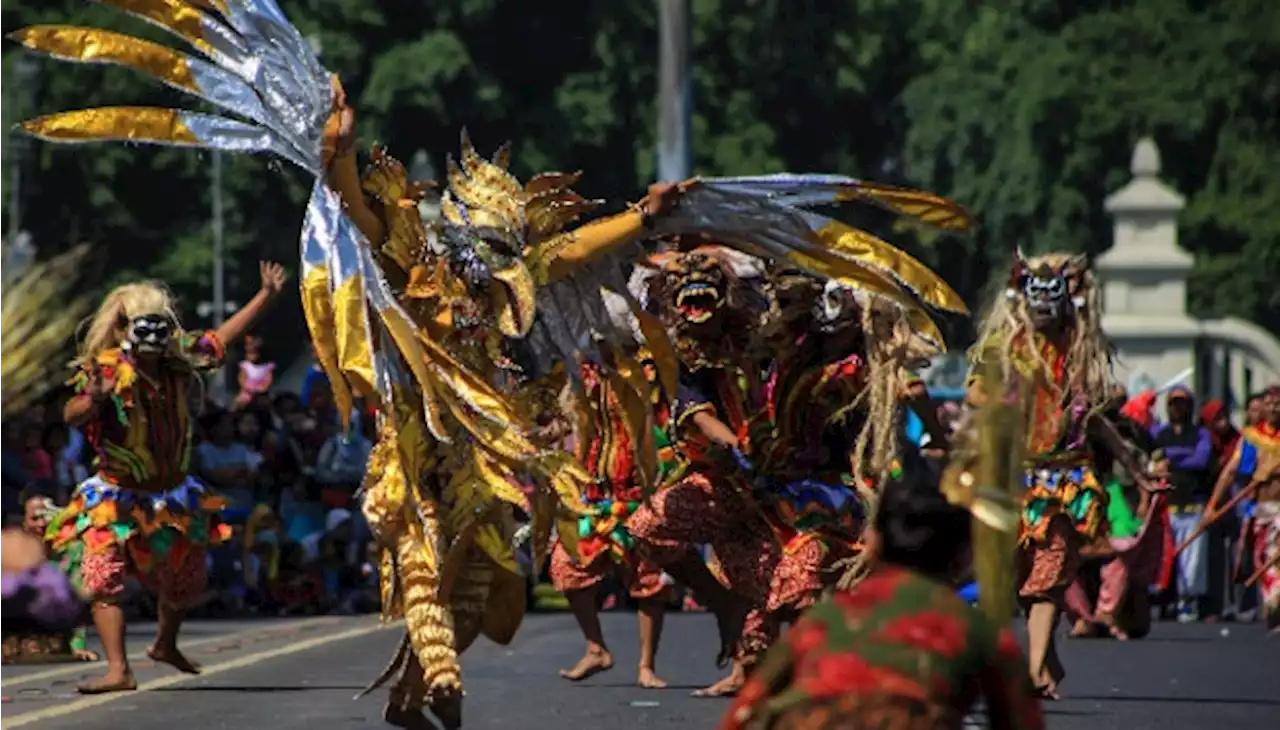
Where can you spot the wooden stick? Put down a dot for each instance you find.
(1207, 521)
(1273, 562)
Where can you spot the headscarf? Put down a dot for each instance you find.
(1140, 408)
(1224, 443)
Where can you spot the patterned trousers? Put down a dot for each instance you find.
(641, 576)
(698, 511)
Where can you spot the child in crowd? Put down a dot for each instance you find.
(256, 376)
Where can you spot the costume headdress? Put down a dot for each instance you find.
(1062, 286)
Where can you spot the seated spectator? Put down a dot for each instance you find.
(13, 473)
(261, 554)
(315, 379)
(301, 511)
(37, 461)
(298, 588)
(227, 465)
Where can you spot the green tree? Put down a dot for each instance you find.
(1030, 110)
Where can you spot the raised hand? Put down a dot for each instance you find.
(273, 277)
(340, 129)
(663, 197)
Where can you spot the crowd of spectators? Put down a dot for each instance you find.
(301, 545)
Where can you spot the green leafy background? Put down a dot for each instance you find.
(1026, 111)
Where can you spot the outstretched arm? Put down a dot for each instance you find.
(602, 237)
(273, 279)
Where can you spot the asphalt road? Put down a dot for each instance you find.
(302, 675)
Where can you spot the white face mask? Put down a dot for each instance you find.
(148, 334)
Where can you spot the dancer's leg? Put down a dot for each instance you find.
(646, 586)
(180, 578)
(667, 530)
(1052, 567)
(651, 614)
(102, 575)
(580, 585)
(597, 657)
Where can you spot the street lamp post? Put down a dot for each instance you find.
(675, 92)
(26, 74)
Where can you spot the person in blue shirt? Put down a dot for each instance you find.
(1189, 449)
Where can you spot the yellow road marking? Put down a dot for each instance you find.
(78, 667)
(244, 661)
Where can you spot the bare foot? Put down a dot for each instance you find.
(726, 687)
(730, 619)
(649, 680)
(593, 662)
(113, 682)
(1047, 692)
(174, 658)
(84, 655)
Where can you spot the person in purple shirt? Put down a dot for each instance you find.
(1189, 449)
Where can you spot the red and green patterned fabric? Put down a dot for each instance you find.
(899, 650)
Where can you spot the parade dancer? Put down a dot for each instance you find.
(1044, 330)
(704, 297)
(603, 543)
(142, 514)
(841, 373)
(1254, 468)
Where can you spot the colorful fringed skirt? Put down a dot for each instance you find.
(107, 534)
(1063, 507)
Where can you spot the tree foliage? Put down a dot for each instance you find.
(1026, 111)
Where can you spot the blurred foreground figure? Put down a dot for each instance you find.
(37, 596)
(900, 649)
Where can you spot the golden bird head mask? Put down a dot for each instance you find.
(495, 227)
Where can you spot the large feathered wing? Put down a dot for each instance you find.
(41, 310)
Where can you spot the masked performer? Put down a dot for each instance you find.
(1255, 466)
(142, 513)
(706, 300)
(444, 327)
(1044, 330)
(843, 358)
